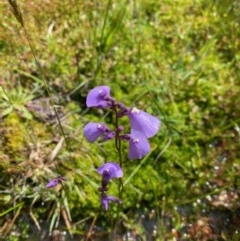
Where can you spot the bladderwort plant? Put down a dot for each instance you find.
(142, 127)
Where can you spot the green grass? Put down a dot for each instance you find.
(178, 60)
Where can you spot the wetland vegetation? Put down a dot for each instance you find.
(175, 59)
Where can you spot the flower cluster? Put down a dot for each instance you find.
(143, 125)
(108, 171)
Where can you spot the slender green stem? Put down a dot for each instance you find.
(46, 86)
(17, 13)
(117, 138)
(119, 151)
(105, 20)
(100, 56)
(118, 147)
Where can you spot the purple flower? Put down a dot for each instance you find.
(108, 135)
(54, 182)
(110, 170)
(99, 97)
(105, 180)
(143, 122)
(106, 199)
(94, 130)
(138, 146)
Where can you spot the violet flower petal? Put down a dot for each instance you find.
(138, 146)
(108, 136)
(114, 199)
(106, 199)
(114, 170)
(97, 97)
(105, 179)
(104, 202)
(93, 130)
(52, 183)
(143, 122)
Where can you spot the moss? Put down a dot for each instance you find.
(40, 131)
(14, 137)
(176, 60)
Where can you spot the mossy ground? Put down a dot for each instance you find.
(178, 60)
